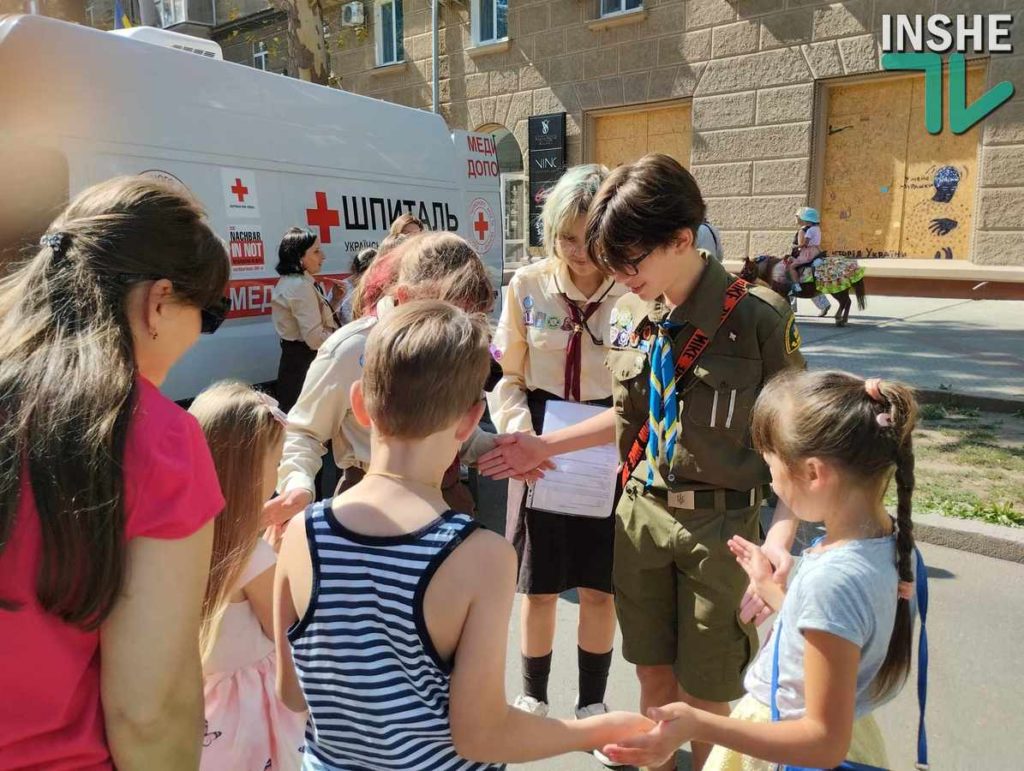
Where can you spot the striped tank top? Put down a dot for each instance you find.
(377, 689)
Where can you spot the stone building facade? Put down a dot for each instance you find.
(741, 91)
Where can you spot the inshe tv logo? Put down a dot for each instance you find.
(918, 43)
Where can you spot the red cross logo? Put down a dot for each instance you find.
(240, 190)
(481, 226)
(323, 218)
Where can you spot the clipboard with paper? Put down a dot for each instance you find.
(583, 484)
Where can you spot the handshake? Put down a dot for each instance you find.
(631, 739)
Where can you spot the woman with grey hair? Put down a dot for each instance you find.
(550, 343)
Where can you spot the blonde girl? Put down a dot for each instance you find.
(551, 343)
(246, 726)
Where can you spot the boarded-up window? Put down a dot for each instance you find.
(624, 137)
(890, 189)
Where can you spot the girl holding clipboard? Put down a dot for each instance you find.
(550, 344)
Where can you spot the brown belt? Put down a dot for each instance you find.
(733, 500)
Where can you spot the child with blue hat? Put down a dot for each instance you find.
(806, 243)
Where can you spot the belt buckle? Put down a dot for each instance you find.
(681, 500)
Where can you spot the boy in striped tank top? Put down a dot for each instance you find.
(391, 610)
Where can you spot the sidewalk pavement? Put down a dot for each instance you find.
(969, 348)
(973, 348)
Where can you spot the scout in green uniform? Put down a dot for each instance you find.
(703, 343)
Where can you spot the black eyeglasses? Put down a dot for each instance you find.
(631, 265)
(212, 315)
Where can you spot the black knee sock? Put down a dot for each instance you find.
(536, 670)
(593, 676)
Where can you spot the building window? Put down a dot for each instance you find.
(490, 21)
(613, 7)
(173, 12)
(390, 47)
(179, 11)
(260, 55)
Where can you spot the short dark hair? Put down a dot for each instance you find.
(640, 207)
(294, 245)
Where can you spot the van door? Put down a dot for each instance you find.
(477, 159)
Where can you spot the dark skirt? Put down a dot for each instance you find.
(296, 357)
(558, 552)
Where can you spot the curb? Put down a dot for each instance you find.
(996, 541)
(988, 403)
(968, 535)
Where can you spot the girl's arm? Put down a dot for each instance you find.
(260, 594)
(801, 237)
(292, 560)
(819, 739)
(151, 680)
(484, 727)
(313, 421)
(507, 402)
(519, 454)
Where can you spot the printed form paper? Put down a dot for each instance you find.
(583, 485)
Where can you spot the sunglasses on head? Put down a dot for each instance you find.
(212, 315)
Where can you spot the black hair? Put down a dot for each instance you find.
(294, 245)
(639, 207)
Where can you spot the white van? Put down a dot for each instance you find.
(261, 151)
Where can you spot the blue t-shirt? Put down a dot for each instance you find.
(849, 591)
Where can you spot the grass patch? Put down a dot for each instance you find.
(932, 412)
(969, 465)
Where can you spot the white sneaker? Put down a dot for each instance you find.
(531, 705)
(593, 710)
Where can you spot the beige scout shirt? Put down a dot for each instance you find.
(716, 397)
(532, 337)
(324, 412)
(300, 312)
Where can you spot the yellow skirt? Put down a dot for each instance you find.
(866, 746)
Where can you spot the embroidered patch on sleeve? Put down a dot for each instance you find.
(792, 335)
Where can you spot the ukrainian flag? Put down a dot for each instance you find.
(121, 20)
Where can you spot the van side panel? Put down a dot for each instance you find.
(260, 151)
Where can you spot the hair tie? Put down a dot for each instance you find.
(273, 405)
(873, 387)
(57, 242)
(906, 590)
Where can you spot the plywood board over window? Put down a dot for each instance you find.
(626, 136)
(889, 188)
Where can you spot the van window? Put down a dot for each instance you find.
(35, 189)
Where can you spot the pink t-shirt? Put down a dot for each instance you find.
(50, 711)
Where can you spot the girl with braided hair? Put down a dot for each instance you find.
(841, 643)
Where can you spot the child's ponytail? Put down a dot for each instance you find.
(902, 413)
(867, 427)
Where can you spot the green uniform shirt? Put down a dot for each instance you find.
(716, 396)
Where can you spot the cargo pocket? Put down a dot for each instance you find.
(722, 393)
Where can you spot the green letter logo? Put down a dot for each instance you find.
(961, 116)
